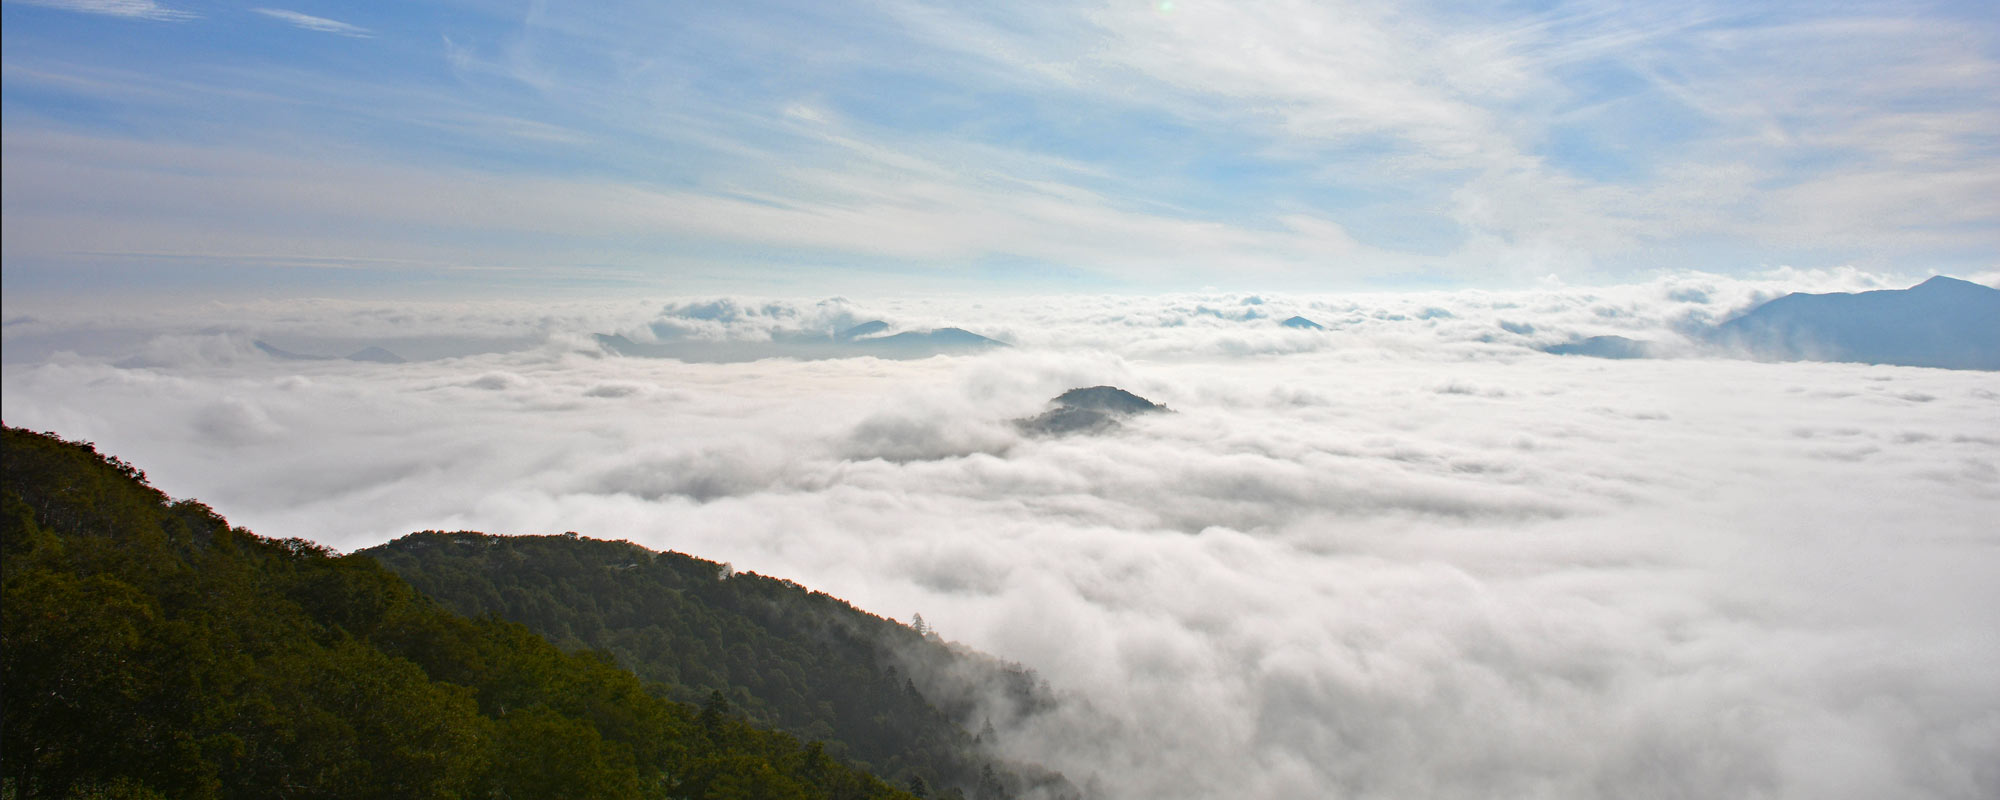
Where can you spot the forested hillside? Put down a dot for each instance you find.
(906, 705)
(152, 651)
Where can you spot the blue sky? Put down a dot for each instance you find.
(465, 147)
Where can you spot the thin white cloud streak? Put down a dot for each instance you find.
(346, 96)
(131, 9)
(58, 186)
(312, 23)
(1403, 557)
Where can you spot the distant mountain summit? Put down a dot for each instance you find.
(377, 355)
(1942, 322)
(286, 355)
(859, 340)
(1109, 399)
(1604, 347)
(374, 354)
(924, 344)
(1303, 324)
(869, 328)
(1087, 410)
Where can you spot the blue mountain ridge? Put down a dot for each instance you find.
(1942, 322)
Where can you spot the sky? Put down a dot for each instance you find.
(1405, 556)
(448, 149)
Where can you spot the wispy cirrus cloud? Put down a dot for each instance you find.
(1573, 138)
(312, 23)
(1343, 144)
(133, 9)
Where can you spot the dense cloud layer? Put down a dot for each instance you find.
(1407, 556)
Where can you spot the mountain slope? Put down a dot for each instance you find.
(150, 650)
(1942, 322)
(874, 690)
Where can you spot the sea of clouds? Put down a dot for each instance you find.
(1407, 556)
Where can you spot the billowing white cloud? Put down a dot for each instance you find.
(1406, 556)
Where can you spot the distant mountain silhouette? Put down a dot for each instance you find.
(1303, 324)
(623, 345)
(1088, 410)
(914, 344)
(286, 355)
(371, 353)
(1605, 347)
(1942, 322)
(869, 328)
(859, 340)
(377, 355)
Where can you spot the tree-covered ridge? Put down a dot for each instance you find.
(149, 650)
(907, 706)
